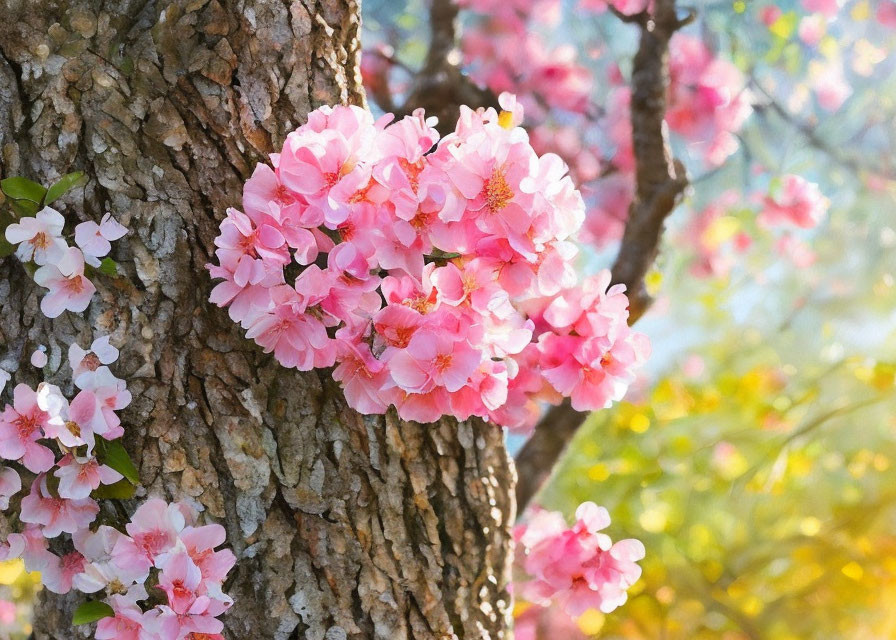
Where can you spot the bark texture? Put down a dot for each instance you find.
(344, 526)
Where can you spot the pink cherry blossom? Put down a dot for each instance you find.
(32, 547)
(798, 202)
(153, 530)
(58, 575)
(85, 363)
(297, 339)
(101, 571)
(94, 409)
(180, 579)
(21, 426)
(579, 567)
(69, 289)
(95, 239)
(362, 376)
(39, 238)
(200, 543)
(77, 479)
(56, 514)
(129, 621)
(69, 429)
(322, 160)
(431, 360)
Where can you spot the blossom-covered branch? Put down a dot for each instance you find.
(660, 183)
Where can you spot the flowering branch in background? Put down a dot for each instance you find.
(659, 185)
(578, 568)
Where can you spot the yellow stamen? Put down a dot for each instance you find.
(497, 192)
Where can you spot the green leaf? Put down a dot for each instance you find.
(5, 247)
(108, 267)
(19, 188)
(24, 207)
(65, 184)
(91, 611)
(113, 455)
(121, 490)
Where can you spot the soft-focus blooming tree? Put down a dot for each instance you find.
(811, 162)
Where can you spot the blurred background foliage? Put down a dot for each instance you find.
(756, 459)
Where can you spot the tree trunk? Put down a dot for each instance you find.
(345, 526)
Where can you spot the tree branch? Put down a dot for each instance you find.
(440, 87)
(660, 183)
(837, 154)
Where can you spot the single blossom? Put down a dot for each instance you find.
(21, 426)
(69, 289)
(39, 238)
(55, 514)
(101, 571)
(58, 575)
(86, 362)
(152, 531)
(78, 478)
(95, 239)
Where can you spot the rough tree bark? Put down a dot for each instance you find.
(344, 526)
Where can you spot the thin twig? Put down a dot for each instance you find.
(811, 135)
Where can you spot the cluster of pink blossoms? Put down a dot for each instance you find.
(161, 542)
(60, 501)
(797, 201)
(708, 101)
(794, 202)
(40, 240)
(436, 275)
(576, 567)
(65, 445)
(503, 52)
(628, 7)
